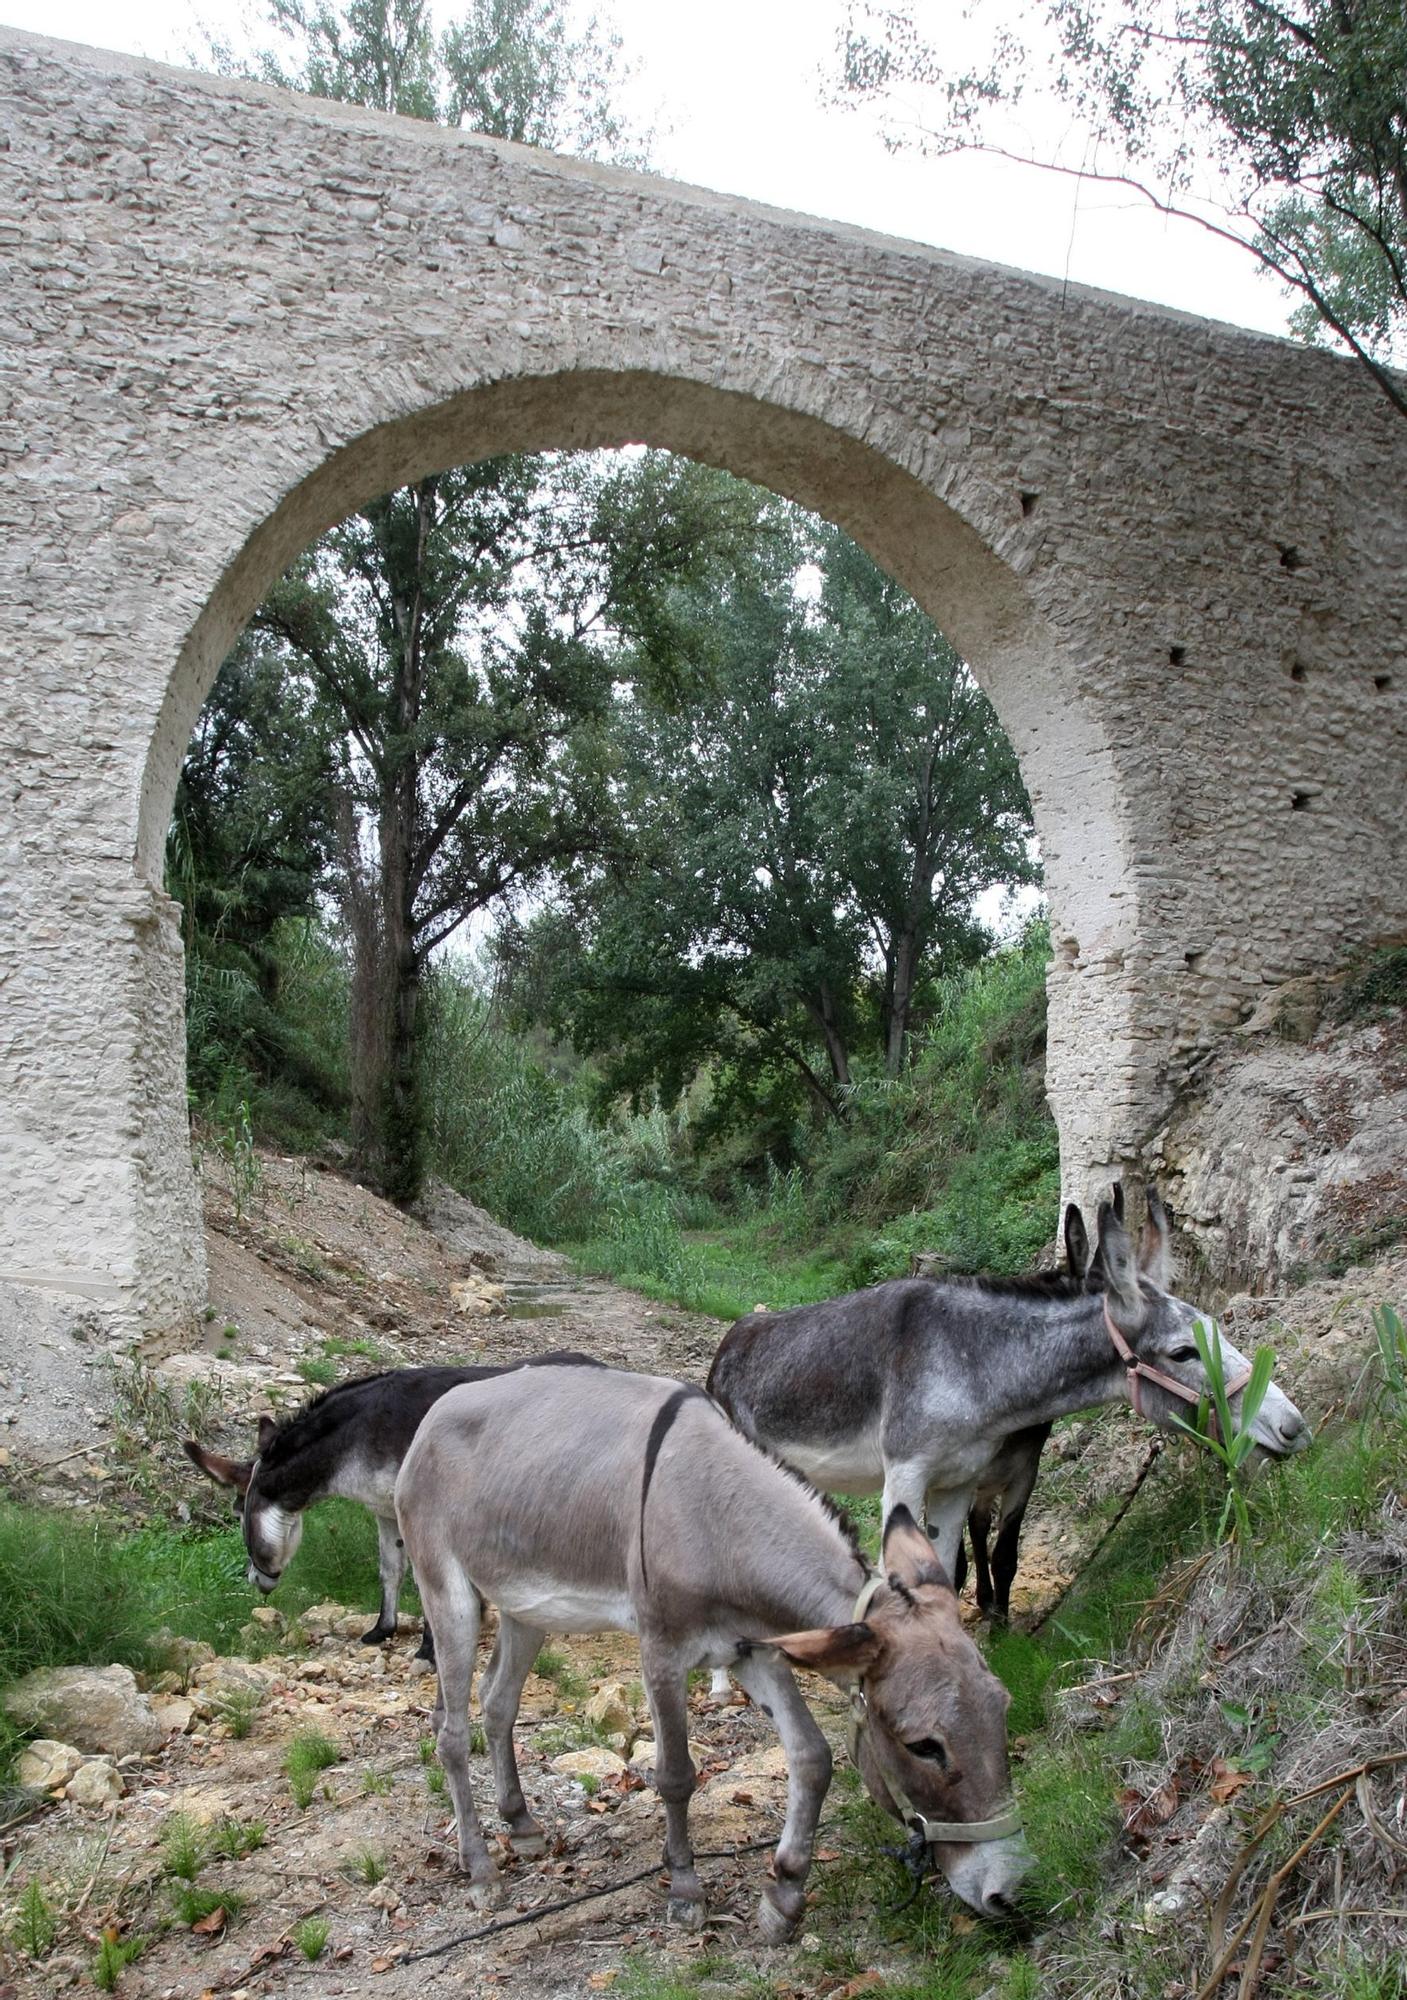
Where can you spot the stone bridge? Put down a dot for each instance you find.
(1172, 551)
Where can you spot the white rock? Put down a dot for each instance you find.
(95, 1783)
(592, 1763)
(609, 1710)
(45, 1765)
(94, 1708)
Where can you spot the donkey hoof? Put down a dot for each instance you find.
(775, 1925)
(483, 1891)
(530, 1846)
(687, 1911)
(378, 1634)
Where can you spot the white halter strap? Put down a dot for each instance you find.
(1002, 1827)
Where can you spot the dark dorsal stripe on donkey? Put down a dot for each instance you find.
(1009, 1481)
(347, 1443)
(915, 1385)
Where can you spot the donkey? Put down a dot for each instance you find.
(619, 1502)
(914, 1385)
(1008, 1482)
(348, 1442)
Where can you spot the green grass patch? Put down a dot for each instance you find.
(308, 1752)
(311, 1937)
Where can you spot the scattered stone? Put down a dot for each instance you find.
(418, 1669)
(181, 1655)
(45, 1765)
(175, 1714)
(383, 1897)
(642, 1757)
(594, 1763)
(320, 1621)
(95, 1708)
(268, 1618)
(609, 1710)
(479, 1298)
(95, 1783)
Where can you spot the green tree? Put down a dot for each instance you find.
(1281, 127)
(455, 630)
(805, 841)
(250, 843)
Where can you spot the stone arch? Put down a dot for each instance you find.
(926, 542)
(1172, 552)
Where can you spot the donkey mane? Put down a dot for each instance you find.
(1031, 1284)
(315, 1420)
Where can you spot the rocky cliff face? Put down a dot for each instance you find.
(1290, 1155)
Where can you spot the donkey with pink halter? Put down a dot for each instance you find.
(915, 1386)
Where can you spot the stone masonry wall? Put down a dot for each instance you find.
(1171, 550)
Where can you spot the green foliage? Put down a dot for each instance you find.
(1375, 985)
(115, 1954)
(368, 1866)
(193, 1904)
(237, 1838)
(1230, 1440)
(801, 847)
(311, 1937)
(34, 1925)
(185, 1846)
(308, 1752)
(237, 1711)
(317, 1370)
(1391, 1337)
(1278, 128)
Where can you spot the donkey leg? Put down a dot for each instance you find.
(979, 1525)
(768, 1679)
(1004, 1561)
(904, 1486)
(500, 1691)
(452, 1601)
(667, 1689)
(947, 1513)
(390, 1554)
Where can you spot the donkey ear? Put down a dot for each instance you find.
(224, 1471)
(840, 1650)
(267, 1426)
(910, 1559)
(1155, 1244)
(1076, 1242)
(1115, 1255)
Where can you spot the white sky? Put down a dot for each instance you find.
(733, 86)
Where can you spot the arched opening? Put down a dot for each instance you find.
(975, 593)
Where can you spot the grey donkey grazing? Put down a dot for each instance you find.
(586, 1501)
(915, 1386)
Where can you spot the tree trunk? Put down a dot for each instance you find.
(822, 1010)
(900, 1002)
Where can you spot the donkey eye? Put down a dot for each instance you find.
(1183, 1354)
(930, 1747)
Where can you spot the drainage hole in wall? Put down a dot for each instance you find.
(1299, 801)
(1192, 959)
(1290, 558)
(1299, 671)
(1028, 502)
(1382, 682)
(1177, 656)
